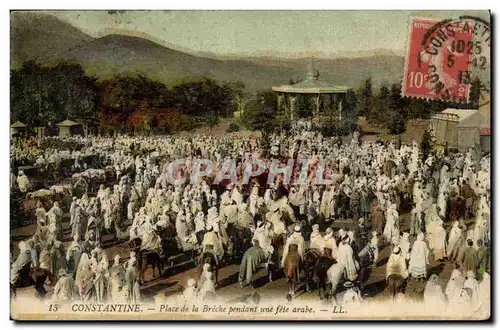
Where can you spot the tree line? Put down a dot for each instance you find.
(45, 96)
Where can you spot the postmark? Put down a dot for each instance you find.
(444, 57)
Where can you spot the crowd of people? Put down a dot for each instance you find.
(370, 183)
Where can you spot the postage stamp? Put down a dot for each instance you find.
(443, 56)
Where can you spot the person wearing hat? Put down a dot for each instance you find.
(212, 243)
(23, 182)
(295, 239)
(65, 288)
(347, 259)
(330, 246)
(352, 295)
(396, 264)
(317, 241)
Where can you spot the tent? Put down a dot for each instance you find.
(17, 127)
(459, 128)
(66, 127)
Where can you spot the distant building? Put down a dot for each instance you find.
(17, 128)
(69, 127)
(461, 129)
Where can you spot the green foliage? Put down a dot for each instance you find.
(339, 128)
(42, 95)
(260, 112)
(207, 97)
(366, 100)
(426, 145)
(233, 127)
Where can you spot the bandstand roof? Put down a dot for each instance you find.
(312, 85)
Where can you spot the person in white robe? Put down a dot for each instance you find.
(330, 243)
(212, 242)
(206, 285)
(453, 238)
(116, 281)
(454, 285)
(404, 244)
(419, 258)
(316, 240)
(132, 289)
(346, 259)
(472, 284)
(65, 288)
(190, 293)
(396, 265)
(23, 260)
(101, 279)
(392, 222)
(352, 295)
(85, 278)
(438, 238)
(434, 296)
(297, 239)
(23, 182)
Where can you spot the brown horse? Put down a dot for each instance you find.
(311, 258)
(277, 242)
(395, 283)
(292, 267)
(145, 258)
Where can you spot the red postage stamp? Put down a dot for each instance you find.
(438, 58)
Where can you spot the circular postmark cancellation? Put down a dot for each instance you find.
(444, 57)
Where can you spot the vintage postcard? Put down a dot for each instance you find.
(250, 165)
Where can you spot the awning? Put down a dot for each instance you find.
(485, 131)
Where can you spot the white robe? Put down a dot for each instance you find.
(295, 238)
(346, 258)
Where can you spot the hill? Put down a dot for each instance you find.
(44, 37)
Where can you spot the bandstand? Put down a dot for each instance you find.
(327, 98)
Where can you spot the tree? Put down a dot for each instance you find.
(425, 145)
(396, 116)
(260, 113)
(42, 95)
(365, 98)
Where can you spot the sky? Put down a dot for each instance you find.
(261, 32)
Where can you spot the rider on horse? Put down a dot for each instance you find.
(212, 244)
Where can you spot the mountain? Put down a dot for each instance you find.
(44, 37)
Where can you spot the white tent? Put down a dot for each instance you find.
(459, 128)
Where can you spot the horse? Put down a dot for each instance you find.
(325, 261)
(273, 262)
(145, 258)
(292, 266)
(311, 257)
(395, 283)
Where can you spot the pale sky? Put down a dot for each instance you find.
(244, 32)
